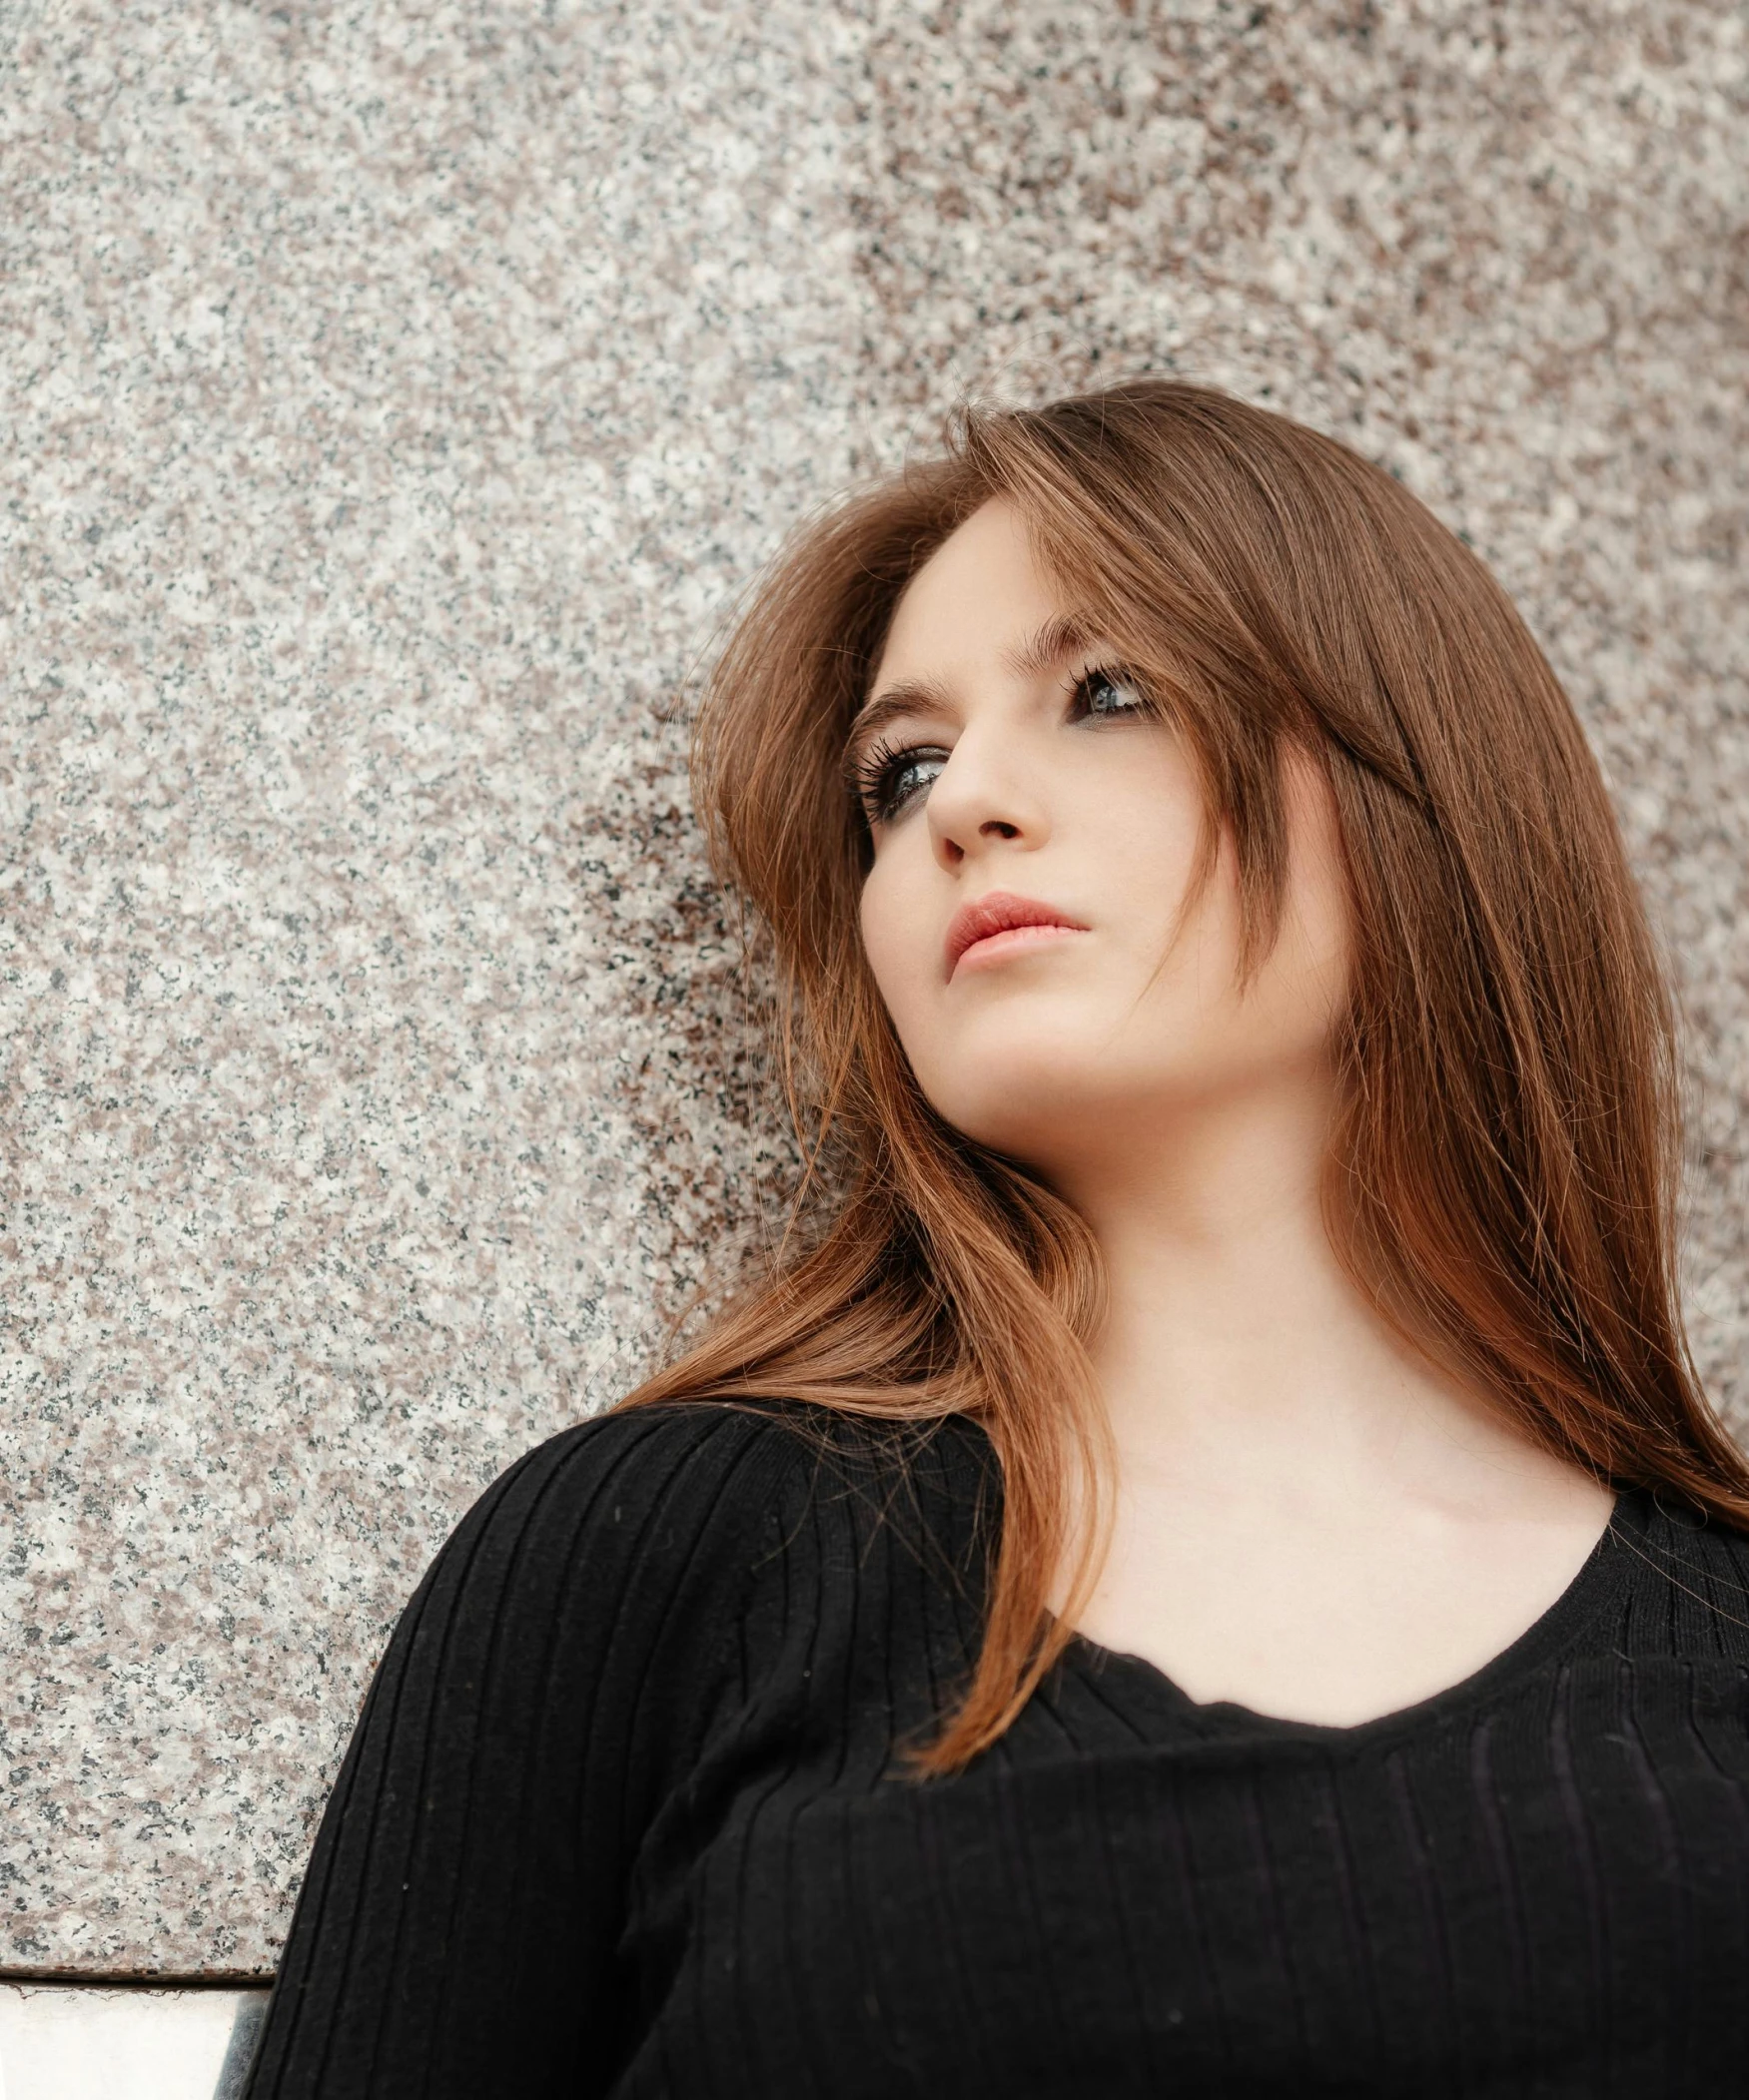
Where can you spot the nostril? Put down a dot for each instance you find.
(1001, 829)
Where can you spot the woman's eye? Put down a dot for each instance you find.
(1108, 692)
(890, 781)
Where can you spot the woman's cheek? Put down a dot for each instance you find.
(895, 940)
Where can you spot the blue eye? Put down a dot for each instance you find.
(1108, 691)
(888, 781)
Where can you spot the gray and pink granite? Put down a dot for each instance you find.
(395, 399)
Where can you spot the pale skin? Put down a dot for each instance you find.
(1311, 1520)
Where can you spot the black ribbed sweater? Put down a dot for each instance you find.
(624, 1816)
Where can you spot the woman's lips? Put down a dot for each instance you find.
(1001, 924)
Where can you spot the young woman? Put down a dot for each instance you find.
(1205, 1569)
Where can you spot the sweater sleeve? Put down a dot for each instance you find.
(545, 1688)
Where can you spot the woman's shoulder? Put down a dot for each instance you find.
(739, 1449)
(1690, 1576)
(699, 1492)
(638, 1456)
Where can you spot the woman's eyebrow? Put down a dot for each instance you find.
(911, 696)
(1067, 634)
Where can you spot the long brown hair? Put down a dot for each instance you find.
(1502, 1184)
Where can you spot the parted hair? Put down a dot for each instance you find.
(1503, 1175)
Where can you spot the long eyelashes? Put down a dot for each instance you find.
(887, 778)
(1123, 693)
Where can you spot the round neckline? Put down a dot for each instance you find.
(1594, 1585)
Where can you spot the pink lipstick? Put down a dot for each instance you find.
(1000, 925)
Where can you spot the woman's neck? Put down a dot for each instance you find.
(1236, 1349)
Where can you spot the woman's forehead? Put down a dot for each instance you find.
(983, 592)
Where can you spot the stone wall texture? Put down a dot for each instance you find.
(397, 396)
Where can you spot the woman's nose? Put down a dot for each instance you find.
(982, 801)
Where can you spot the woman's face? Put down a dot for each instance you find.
(1010, 777)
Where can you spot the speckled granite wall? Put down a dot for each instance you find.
(396, 399)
